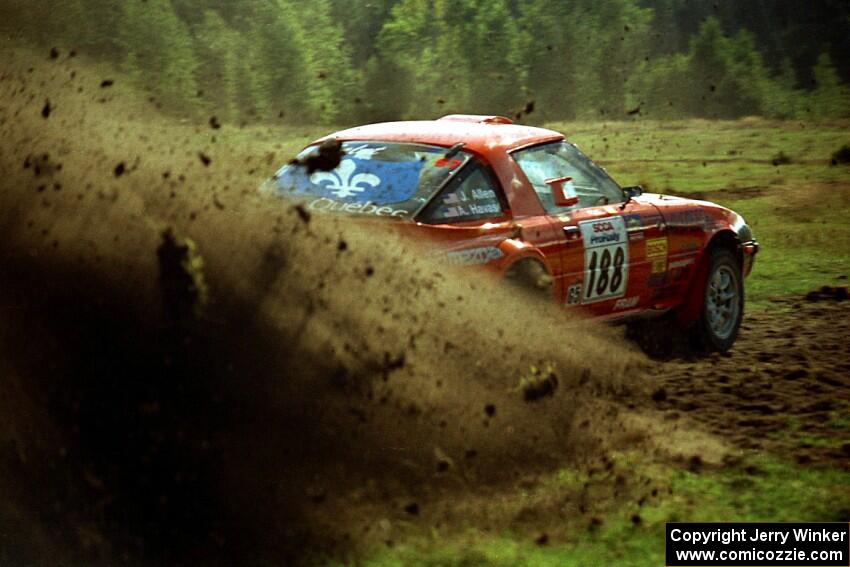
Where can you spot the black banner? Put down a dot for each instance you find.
(739, 544)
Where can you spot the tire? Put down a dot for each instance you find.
(657, 338)
(722, 303)
(531, 278)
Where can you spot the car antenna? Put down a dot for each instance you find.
(453, 151)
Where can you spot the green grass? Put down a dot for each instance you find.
(759, 490)
(700, 155)
(803, 247)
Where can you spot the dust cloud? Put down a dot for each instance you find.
(192, 372)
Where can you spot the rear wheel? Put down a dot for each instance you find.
(530, 277)
(723, 303)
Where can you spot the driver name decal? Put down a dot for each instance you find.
(606, 259)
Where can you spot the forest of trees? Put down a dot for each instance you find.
(348, 61)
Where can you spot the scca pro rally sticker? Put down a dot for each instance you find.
(606, 258)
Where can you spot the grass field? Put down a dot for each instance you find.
(633, 534)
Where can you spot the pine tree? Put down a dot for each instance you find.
(546, 49)
(217, 47)
(334, 83)
(831, 98)
(490, 42)
(159, 52)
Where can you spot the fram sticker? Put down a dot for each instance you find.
(626, 303)
(606, 258)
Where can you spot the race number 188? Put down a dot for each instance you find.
(606, 258)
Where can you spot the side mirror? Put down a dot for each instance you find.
(559, 197)
(633, 191)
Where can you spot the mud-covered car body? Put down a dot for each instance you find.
(505, 195)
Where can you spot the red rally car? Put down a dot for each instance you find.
(529, 205)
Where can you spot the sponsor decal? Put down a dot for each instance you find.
(693, 218)
(367, 208)
(656, 254)
(626, 303)
(474, 256)
(449, 163)
(574, 294)
(633, 221)
(606, 258)
(657, 280)
(688, 246)
(357, 179)
(681, 263)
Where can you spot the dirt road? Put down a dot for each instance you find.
(784, 388)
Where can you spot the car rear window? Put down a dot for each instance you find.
(385, 179)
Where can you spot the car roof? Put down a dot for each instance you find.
(480, 134)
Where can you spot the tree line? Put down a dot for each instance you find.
(347, 61)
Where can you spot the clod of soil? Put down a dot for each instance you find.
(538, 384)
(835, 293)
(841, 156)
(781, 159)
(326, 158)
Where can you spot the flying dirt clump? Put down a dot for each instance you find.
(184, 290)
(328, 156)
(841, 156)
(538, 383)
(827, 292)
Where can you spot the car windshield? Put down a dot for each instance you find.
(384, 179)
(588, 181)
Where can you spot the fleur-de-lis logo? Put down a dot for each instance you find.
(343, 182)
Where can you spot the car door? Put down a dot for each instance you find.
(614, 249)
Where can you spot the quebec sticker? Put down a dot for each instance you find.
(606, 258)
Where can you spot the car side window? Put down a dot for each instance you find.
(590, 183)
(473, 195)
